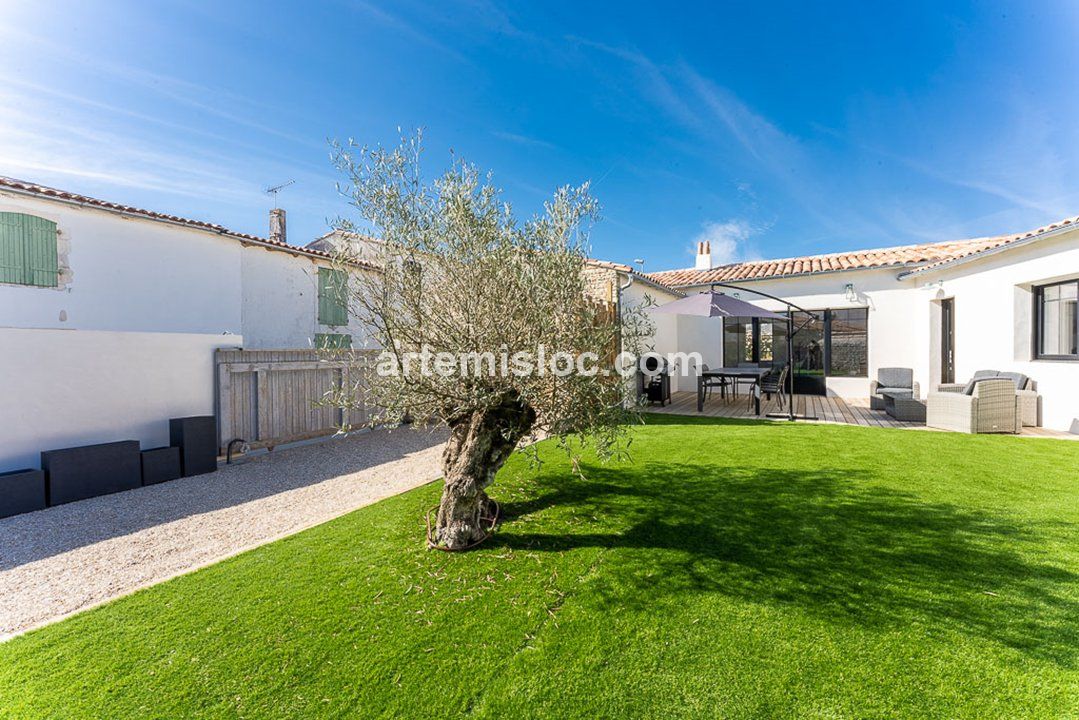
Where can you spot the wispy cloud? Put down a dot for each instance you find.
(523, 140)
(654, 78)
(217, 102)
(31, 145)
(1018, 167)
(403, 27)
(726, 127)
(49, 143)
(29, 94)
(728, 240)
(945, 172)
(1019, 162)
(483, 15)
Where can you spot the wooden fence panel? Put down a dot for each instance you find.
(271, 397)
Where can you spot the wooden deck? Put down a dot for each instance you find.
(826, 409)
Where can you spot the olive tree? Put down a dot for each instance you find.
(479, 315)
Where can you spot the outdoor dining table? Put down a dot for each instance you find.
(753, 373)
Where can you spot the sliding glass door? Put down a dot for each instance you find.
(808, 347)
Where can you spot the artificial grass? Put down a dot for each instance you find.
(734, 569)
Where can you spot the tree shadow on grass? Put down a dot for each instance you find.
(828, 542)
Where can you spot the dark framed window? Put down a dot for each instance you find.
(739, 341)
(766, 342)
(836, 344)
(1056, 322)
(752, 340)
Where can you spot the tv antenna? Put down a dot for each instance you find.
(272, 191)
(639, 262)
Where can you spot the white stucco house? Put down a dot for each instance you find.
(945, 309)
(110, 315)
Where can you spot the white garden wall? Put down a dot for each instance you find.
(63, 388)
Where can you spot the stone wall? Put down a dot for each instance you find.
(601, 283)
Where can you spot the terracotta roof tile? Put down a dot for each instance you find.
(916, 257)
(608, 265)
(29, 188)
(991, 244)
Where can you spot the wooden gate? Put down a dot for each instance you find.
(271, 397)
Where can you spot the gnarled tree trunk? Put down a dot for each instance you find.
(479, 444)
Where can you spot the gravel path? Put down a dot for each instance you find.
(71, 557)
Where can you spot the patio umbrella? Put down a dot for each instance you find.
(715, 304)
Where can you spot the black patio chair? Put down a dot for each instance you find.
(714, 382)
(748, 382)
(775, 384)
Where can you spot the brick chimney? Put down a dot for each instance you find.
(277, 225)
(704, 255)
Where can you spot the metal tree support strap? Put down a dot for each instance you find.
(791, 331)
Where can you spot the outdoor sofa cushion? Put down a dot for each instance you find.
(979, 375)
(895, 378)
(1019, 379)
(881, 390)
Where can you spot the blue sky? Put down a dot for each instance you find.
(772, 130)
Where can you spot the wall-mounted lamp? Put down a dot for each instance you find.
(848, 291)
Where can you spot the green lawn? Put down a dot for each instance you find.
(735, 569)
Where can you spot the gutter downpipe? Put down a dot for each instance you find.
(618, 305)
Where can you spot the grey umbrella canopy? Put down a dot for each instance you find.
(714, 304)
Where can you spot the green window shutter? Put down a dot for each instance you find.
(11, 248)
(27, 250)
(333, 341)
(332, 296)
(40, 244)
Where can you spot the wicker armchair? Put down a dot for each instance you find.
(1026, 393)
(892, 379)
(992, 407)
